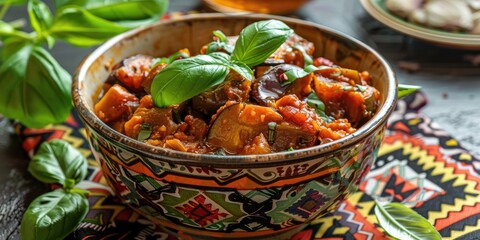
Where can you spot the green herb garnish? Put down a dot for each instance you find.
(405, 90)
(272, 126)
(56, 214)
(145, 132)
(220, 43)
(314, 102)
(35, 88)
(186, 78)
(259, 40)
(402, 222)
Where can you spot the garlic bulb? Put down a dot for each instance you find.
(403, 8)
(476, 23)
(448, 14)
(452, 15)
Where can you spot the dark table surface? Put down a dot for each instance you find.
(450, 81)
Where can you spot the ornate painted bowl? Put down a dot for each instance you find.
(211, 196)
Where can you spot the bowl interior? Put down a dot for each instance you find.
(165, 38)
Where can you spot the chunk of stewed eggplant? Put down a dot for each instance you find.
(270, 86)
(234, 88)
(238, 127)
(345, 98)
(132, 71)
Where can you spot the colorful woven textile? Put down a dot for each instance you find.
(418, 165)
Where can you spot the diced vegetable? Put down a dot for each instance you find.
(269, 87)
(116, 102)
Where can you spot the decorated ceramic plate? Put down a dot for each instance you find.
(376, 8)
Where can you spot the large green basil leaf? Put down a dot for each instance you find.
(239, 67)
(402, 222)
(129, 13)
(81, 28)
(35, 88)
(56, 161)
(259, 40)
(186, 78)
(53, 215)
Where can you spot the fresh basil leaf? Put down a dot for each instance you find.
(170, 59)
(145, 132)
(220, 44)
(242, 69)
(7, 30)
(293, 75)
(186, 78)
(53, 215)
(35, 88)
(405, 90)
(307, 59)
(221, 36)
(296, 73)
(259, 40)
(81, 28)
(11, 46)
(56, 162)
(128, 13)
(40, 16)
(314, 102)
(402, 222)
(239, 67)
(14, 2)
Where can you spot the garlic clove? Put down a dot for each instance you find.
(448, 14)
(476, 23)
(403, 8)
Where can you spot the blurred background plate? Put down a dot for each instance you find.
(376, 8)
(258, 6)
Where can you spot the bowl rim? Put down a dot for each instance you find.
(271, 159)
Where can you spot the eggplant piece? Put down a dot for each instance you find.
(234, 88)
(356, 102)
(133, 71)
(116, 103)
(161, 120)
(236, 126)
(268, 88)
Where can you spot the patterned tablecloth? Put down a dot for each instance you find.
(418, 165)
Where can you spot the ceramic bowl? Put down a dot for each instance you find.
(210, 196)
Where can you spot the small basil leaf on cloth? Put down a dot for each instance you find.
(53, 215)
(404, 223)
(58, 162)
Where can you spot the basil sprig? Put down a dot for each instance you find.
(402, 222)
(35, 88)
(186, 78)
(56, 214)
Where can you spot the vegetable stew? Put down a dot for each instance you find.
(290, 100)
